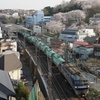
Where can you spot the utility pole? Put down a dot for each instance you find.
(36, 53)
(24, 42)
(50, 78)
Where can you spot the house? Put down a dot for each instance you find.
(55, 43)
(71, 35)
(7, 44)
(83, 49)
(68, 35)
(96, 17)
(9, 62)
(6, 87)
(82, 33)
(37, 29)
(15, 15)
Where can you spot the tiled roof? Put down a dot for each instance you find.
(5, 84)
(96, 45)
(69, 31)
(85, 44)
(81, 43)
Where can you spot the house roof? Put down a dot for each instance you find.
(9, 62)
(91, 39)
(69, 32)
(85, 44)
(10, 52)
(3, 95)
(81, 43)
(89, 46)
(55, 41)
(96, 45)
(6, 86)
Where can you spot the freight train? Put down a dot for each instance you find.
(78, 82)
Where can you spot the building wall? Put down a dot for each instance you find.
(88, 32)
(29, 20)
(82, 33)
(37, 29)
(84, 51)
(37, 18)
(15, 45)
(68, 38)
(47, 18)
(15, 74)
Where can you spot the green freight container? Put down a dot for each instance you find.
(57, 60)
(43, 48)
(50, 52)
(34, 40)
(39, 43)
(26, 35)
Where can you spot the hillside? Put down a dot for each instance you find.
(86, 3)
(74, 14)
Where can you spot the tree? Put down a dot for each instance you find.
(48, 11)
(20, 20)
(22, 91)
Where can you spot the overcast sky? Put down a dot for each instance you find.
(28, 4)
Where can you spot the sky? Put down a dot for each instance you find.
(28, 4)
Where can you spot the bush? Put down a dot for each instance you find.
(22, 91)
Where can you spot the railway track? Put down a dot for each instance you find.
(59, 83)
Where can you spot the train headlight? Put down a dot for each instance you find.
(75, 87)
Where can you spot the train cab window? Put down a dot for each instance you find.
(81, 82)
(77, 82)
(85, 82)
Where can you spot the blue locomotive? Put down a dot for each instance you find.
(78, 82)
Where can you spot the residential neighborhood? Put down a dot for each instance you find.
(51, 53)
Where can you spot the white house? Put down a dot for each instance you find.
(36, 29)
(82, 33)
(71, 35)
(15, 15)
